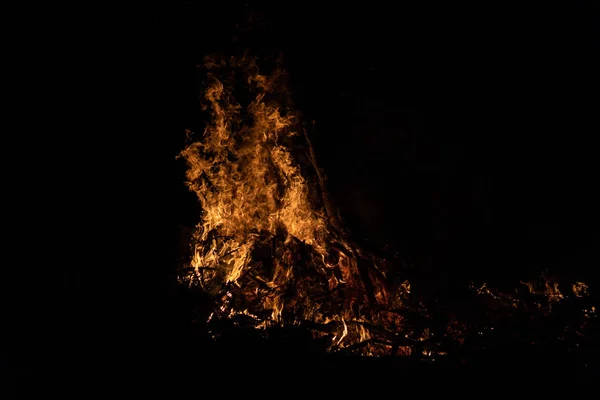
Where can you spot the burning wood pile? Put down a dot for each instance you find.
(270, 252)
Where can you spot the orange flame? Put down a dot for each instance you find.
(268, 248)
(261, 228)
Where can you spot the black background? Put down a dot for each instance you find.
(462, 137)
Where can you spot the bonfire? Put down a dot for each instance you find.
(270, 250)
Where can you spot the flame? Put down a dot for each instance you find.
(579, 289)
(267, 236)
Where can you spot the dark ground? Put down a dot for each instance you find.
(461, 138)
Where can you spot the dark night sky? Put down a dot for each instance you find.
(462, 138)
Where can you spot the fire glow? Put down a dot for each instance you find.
(269, 249)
